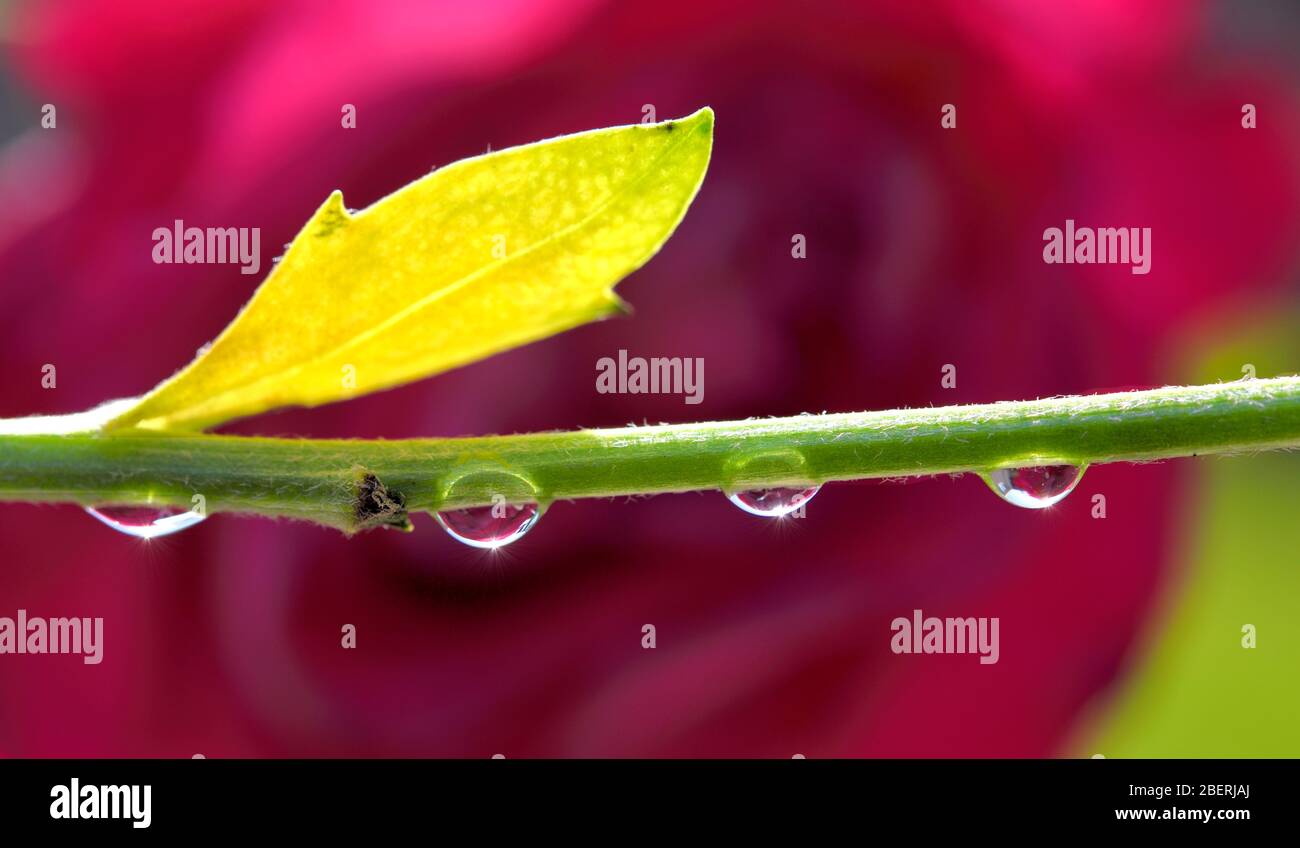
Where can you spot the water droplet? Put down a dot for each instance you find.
(146, 522)
(1035, 486)
(786, 467)
(512, 510)
(773, 503)
(489, 527)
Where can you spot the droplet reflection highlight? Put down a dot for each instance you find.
(146, 522)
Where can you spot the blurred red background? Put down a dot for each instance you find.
(923, 249)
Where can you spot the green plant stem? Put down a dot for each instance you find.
(326, 480)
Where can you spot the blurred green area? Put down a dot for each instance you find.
(1194, 690)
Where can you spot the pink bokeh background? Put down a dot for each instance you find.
(924, 249)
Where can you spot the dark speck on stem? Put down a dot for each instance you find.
(378, 506)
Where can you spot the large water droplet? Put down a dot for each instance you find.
(773, 503)
(489, 527)
(1035, 486)
(513, 511)
(780, 466)
(146, 522)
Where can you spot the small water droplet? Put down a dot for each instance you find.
(1035, 486)
(146, 522)
(773, 503)
(489, 527)
(512, 510)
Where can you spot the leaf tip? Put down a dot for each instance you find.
(331, 215)
(701, 121)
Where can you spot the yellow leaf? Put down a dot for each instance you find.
(481, 256)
